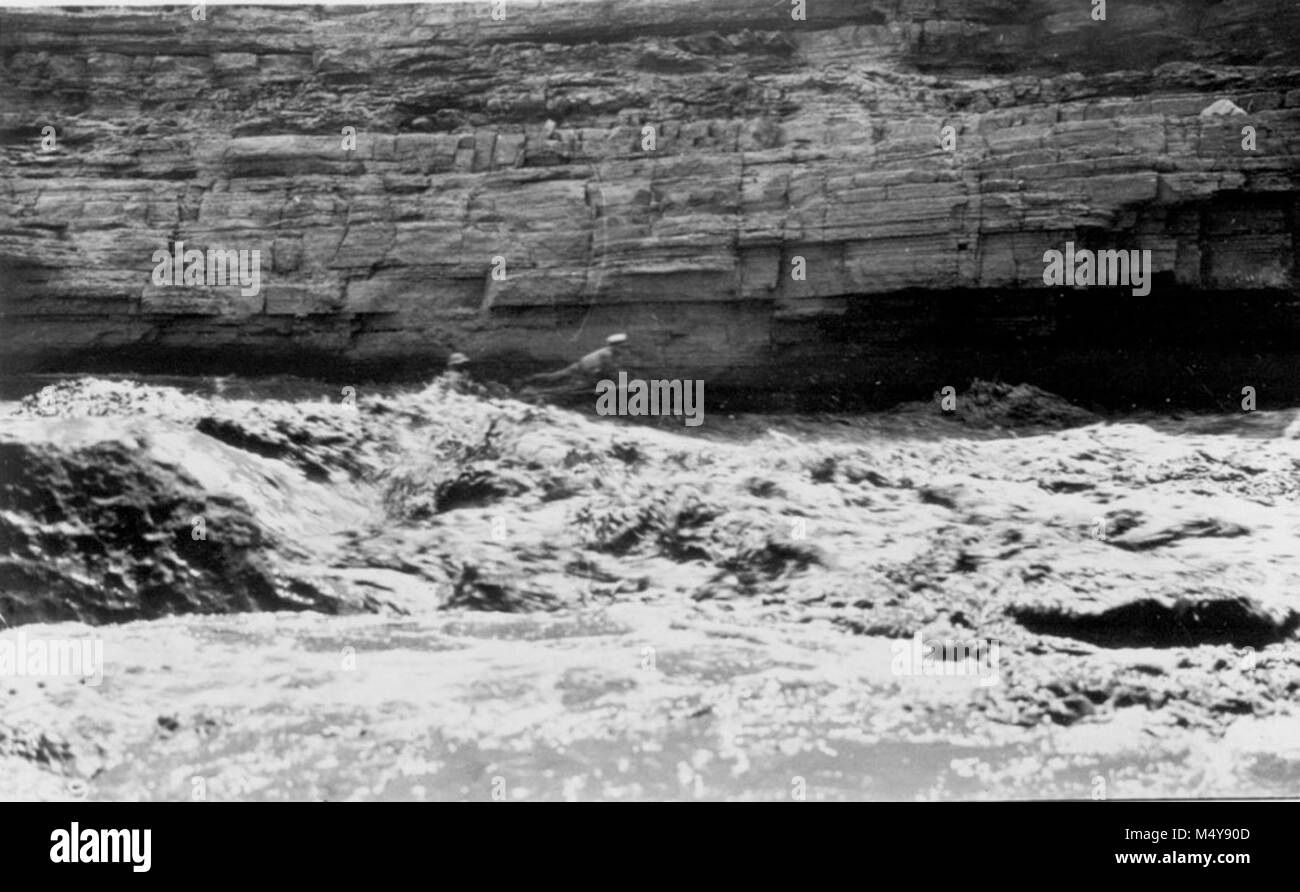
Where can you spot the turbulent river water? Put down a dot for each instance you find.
(470, 598)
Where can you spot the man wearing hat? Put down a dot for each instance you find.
(456, 374)
(581, 376)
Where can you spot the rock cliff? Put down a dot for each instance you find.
(522, 147)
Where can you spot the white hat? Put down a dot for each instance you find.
(1222, 107)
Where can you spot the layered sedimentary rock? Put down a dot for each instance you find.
(798, 219)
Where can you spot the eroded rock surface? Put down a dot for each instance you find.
(775, 139)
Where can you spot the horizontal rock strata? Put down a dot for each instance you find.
(778, 144)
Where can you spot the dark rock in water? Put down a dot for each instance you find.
(324, 441)
(992, 405)
(1145, 538)
(110, 519)
(1163, 622)
(988, 404)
